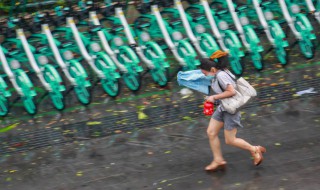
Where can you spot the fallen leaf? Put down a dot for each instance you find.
(79, 174)
(8, 128)
(187, 118)
(277, 144)
(142, 115)
(94, 123)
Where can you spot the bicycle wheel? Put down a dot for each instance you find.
(111, 86)
(57, 100)
(282, 55)
(83, 94)
(4, 106)
(80, 76)
(159, 73)
(132, 80)
(307, 48)
(257, 60)
(235, 63)
(29, 105)
(160, 76)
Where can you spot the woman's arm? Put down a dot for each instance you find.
(229, 92)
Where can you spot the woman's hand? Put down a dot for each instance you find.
(210, 99)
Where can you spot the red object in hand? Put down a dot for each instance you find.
(208, 108)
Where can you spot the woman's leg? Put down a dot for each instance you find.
(212, 132)
(256, 151)
(231, 139)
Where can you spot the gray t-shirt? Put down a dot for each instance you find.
(224, 80)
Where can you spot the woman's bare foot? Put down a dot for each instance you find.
(216, 166)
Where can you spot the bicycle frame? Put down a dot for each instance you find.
(123, 53)
(20, 82)
(47, 74)
(227, 39)
(203, 42)
(128, 32)
(313, 9)
(273, 31)
(150, 52)
(181, 48)
(247, 34)
(73, 70)
(300, 26)
(105, 44)
(99, 61)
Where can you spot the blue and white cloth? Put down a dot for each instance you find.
(195, 80)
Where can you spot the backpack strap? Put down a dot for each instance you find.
(222, 90)
(220, 85)
(226, 71)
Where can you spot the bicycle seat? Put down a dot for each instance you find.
(16, 20)
(197, 16)
(40, 47)
(265, 3)
(116, 28)
(66, 43)
(175, 21)
(221, 12)
(241, 8)
(143, 24)
(13, 51)
(95, 28)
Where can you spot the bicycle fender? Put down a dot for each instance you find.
(133, 56)
(305, 21)
(188, 46)
(252, 35)
(277, 32)
(26, 80)
(213, 44)
(51, 69)
(234, 38)
(81, 70)
(105, 57)
(3, 87)
(155, 46)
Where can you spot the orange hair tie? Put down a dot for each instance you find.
(217, 54)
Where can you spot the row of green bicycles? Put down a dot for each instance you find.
(65, 46)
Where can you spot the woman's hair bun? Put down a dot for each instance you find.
(219, 60)
(218, 54)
